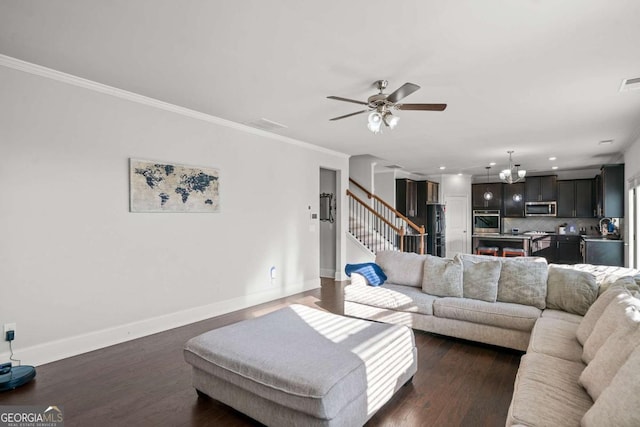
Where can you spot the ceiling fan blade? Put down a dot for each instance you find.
(403, 91)
(348, 115)
(422, 107)
(339, 98)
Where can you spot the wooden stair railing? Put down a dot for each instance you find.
(378, 225)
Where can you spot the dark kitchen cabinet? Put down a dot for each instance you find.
(407, 197)
(603, 252)
(610, 191)
(567, 249)
(513, 200)
(433, 188)
(544, 246)
(575, 198)
(540, 188)
(477, 196)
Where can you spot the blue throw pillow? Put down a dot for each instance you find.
(371, 271)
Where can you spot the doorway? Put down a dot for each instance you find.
(457, 223)
(328, 225)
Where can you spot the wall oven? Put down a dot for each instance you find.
(486, 221)
(540, 209)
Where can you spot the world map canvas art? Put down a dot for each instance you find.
(166, 187)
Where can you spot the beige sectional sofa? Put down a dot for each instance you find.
(579, 326)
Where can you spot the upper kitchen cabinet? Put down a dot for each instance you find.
(575, 198)
(480, 202)
(540, 188)
(407, 197)
(610, 191)
(433, 188)
(513, 200)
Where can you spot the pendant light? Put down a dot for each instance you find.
(488, 195)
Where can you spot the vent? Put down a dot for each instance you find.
(265, 124)
(630, 84)
(394, 167)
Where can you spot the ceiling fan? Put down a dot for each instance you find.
(381, 104)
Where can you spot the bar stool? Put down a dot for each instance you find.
(507, 252)
(487, 250)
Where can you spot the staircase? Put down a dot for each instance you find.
(379, 226)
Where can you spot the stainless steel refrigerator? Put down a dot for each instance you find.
(435, 228)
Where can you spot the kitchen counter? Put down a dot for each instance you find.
(520, 241)
(504, 236)
(600, 238)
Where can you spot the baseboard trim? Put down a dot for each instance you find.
(79, 344)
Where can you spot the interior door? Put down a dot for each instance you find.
(457, 225)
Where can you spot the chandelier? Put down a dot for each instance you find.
(514, 173)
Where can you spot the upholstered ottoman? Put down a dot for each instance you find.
(299, 366)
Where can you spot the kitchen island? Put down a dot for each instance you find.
(499, 240)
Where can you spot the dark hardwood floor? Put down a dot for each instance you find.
(146, 382)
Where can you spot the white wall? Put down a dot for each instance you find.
(385, 185)
(78, 271)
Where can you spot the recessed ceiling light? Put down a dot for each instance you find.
(460, 174)
(554, 167)
(492, 164)
(606, 142)
(552, 158)
(442, 168)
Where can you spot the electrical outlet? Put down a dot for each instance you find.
(9, 327)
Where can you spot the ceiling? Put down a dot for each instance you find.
(540, 77)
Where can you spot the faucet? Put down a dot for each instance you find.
(603, 231)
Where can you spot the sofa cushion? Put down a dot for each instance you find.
(392, 297)
(401, 268)
(607, 275)
(547, 393)
(595, 311)
(611, 356)
(618, 404)
(480, 277)
(502, 314)
(523, 281)
(561, 315)
(570, 290)
(442, 277)
(617, 313)
(556, 338)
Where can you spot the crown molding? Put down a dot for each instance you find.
(49, 73)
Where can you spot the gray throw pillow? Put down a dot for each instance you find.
(442, 277)
(401, 268)
(480, 277)
(523, 281)
(570, 290)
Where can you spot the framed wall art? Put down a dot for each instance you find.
(168, 187)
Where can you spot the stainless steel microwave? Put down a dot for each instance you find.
(486, 221)
(540, 209)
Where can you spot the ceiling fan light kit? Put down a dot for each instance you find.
(381, 104)
(514, 173)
